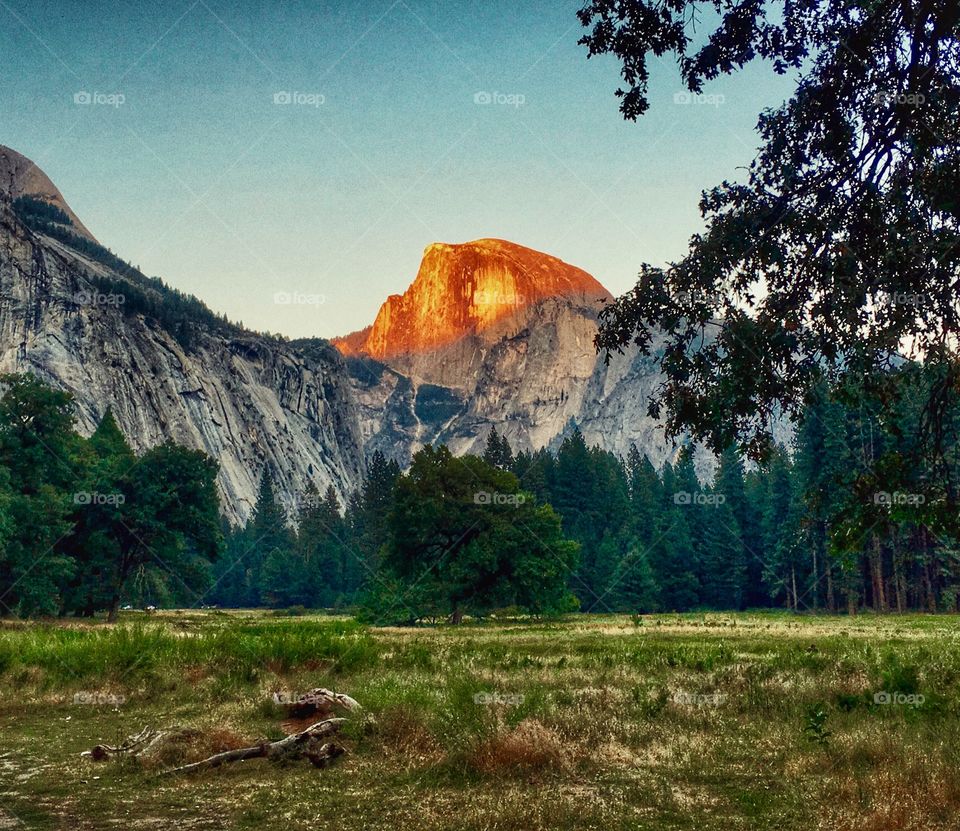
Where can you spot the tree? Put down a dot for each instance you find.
(82, 520)
(270, 541)
(634, 587)
(97, 514)
(645, 496)
(42, 460)
(735, 530)
(464, 539)
(672, 554)
(367, 519)
(169, 521)
(723, 574)
(497, 451)
(780, 534)
(840, 252)
(321, 548)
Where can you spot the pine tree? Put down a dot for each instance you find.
(730, 484)
(672, 556)
(723, 577)
(270, 539)
(497, 451)
(367, 519)
(645, 496)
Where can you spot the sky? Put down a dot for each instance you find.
(289, 162)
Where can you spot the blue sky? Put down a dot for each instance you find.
(408, 122)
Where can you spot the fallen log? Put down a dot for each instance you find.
(318, 700)
(308, 743)
(305, 744)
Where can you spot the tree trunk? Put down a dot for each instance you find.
(816, 577)
(876, 568)
(931, 599)
(899, 579)
(831, 600)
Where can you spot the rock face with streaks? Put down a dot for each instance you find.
(493, 334)
(248, 400)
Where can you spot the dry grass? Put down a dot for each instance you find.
(690, 723)
(528, 748)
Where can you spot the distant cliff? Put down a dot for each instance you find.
(167, 367)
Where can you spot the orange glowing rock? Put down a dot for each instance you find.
(465, 288)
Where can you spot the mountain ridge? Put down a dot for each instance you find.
(489, 334)
(111, 337)
(465, 288)
(21, 177)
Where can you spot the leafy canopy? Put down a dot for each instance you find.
(839, 253)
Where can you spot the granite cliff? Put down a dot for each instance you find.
(492, 334)
(103, 332)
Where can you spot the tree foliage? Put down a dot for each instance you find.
(81, 520)
(839, 255)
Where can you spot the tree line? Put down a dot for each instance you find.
(847, 517)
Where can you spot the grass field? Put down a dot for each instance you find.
(747, 721)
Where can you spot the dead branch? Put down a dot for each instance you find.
(134, 745)
(305, 744)
(308, 743)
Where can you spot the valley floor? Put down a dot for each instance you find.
(716, 721)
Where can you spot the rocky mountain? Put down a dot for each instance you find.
(21, 177)
(492, 334)
(464, 289)
(77, 316)
(489, 333)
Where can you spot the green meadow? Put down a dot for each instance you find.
(699, 722)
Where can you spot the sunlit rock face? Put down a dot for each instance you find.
(465, 289)
(21, 177)
(492, 334)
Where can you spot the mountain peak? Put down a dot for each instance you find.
(463, 288)
(21, 177)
